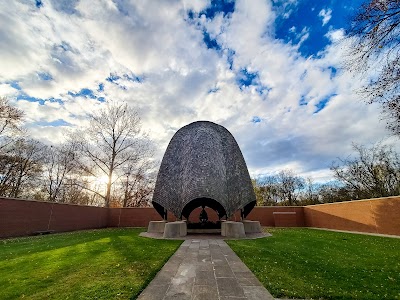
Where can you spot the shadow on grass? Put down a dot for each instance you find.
(49, 242)
(147, 259)
(106, 264)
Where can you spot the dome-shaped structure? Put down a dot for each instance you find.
(203, 165)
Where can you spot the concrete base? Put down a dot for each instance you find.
(156, 226)
(251, 226)
(232, 229)
(175, 229)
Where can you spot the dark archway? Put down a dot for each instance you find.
(198, 202)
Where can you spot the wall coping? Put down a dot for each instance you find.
(355, 201)
(150, 207)
(276, 206)
(49, 202)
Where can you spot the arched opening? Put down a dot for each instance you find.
(203, 215)
(206, 202)
(195, 215)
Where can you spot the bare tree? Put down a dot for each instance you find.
(60, 162)
(20, 166)
(289, 186)
(310, 193)
(375, 172)
(266, 190)
(334, 191)
(375, 46)
(113, 139)
(10, 121)
(137, 183)
(74, 190)
(283, 188)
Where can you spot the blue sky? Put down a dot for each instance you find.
(310, 15)
(269, 71)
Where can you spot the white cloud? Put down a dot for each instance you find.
(335, 35)
(303, 36)
(285, 8)
(79, 44)
(6, 90)
(326, 15)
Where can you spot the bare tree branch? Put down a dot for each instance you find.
(112, 141)
(374, 36)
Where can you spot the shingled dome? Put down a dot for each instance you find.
(203, 165)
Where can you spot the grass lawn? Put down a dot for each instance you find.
(95, 264)
(315, 264)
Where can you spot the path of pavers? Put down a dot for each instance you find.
(205, 269)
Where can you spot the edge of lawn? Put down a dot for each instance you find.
(155, 272)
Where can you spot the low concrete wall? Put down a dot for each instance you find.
(25, 217)
(380, 215)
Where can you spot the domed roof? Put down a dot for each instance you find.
(203, 165)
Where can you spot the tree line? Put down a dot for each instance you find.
(107, 163)
(110, 163)
(374, 172)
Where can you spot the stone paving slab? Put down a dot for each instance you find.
(205, 269)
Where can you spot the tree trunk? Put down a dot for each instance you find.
(108, 192)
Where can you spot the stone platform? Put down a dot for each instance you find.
(175, 229)
(229, 230)
(156, 226)
(205, 236)
(251, 226)
(232, 229)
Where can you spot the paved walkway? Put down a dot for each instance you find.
(205, 269)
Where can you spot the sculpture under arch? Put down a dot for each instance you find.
(203, 165)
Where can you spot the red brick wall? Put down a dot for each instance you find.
(285, 219)
(133, 217)
(265, 214)
(24, 217)
(381, 215)
(140, 217)
(358, 215)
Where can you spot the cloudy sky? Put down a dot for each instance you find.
(269, 71)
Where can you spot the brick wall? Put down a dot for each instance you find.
(381, 215)
(140, 217)
(265, 214)
(24, 217)
(133, 217)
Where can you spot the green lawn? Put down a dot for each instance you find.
(95, 264)
(315, 264)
